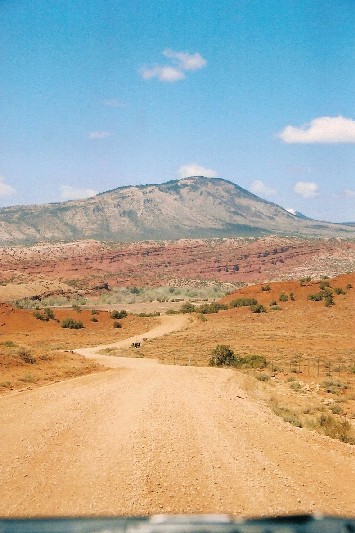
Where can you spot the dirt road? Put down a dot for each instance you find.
(148, 438)
(168, 324)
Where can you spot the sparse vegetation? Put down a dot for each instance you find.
(46, 315)
(304, 281)
(213, 307)
(205, 290)
(288, 415)
(333, 426)
(243, 302)
(317, 297)
(155, 313)
(222, 355)
(339, 290)
(70, 323)
(334, 387)
(257, 308)
(9, 344)
(117, 324)
(118, 314)
(26, 356)
(329, 301)
(263, 377)
(265, 288)
(251, 361)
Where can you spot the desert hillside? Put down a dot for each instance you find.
(95, 269)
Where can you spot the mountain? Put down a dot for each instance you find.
(194, 207)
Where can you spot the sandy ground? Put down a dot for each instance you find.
(147, 438)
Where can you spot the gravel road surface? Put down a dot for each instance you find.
(147, 438)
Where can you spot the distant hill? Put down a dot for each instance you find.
(195, 207)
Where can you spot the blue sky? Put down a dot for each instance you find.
(100, 94)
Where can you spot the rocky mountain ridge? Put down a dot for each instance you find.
(195, 207)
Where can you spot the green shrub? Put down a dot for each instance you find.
(49, 313)
(118, 314)
(334, 426)
(155, 313)
(187, 307)
(328, 300)
(334, 387)
(339, 290)
(26, 356)
(287, 415)
(317, 297)
(336, 409)
(213, 307)
(70, 323)
(265, 288)
(283, 297)
(263, 377)
(258, 308)
(251, 361)
(39, 316)
(94, 312)
(243, 302)
(76, 307)
(276, 308)
(117, 324)
(222, 355)
(303, 281)
(296, 385)
(9, 344)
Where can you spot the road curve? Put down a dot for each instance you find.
(147, 438)
(168, 324)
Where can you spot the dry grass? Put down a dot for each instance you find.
(308, 347)
(34, 352)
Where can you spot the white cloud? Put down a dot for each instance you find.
(193, 169)
(75, 193)
(99, 134)
(182, 62)
(321, 130)
(170, 74)
(259, 187)
(186, 61)
(292, 211)
(307, 189)
(5, 188)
